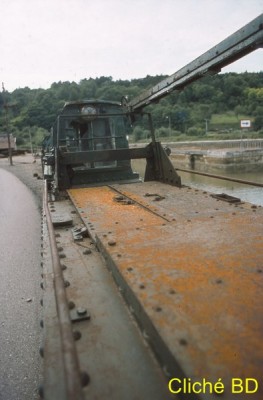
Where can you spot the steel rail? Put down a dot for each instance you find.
(70, 359)
(225, 178)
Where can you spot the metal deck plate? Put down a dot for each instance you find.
(191, 268)
(110, 347)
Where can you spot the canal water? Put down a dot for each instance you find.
(251, 194)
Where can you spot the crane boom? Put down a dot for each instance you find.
(235, 46)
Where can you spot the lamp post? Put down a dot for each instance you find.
(169, 124)
(6, 106)
(31, 145)
(206, 126)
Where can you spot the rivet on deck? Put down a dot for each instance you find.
(87, 251)
(81, 311)
(85, 379)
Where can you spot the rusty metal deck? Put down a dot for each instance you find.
(108, 344)
(190, 267)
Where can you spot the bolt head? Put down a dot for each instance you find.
(81, 311)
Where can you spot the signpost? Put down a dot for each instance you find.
(245, 123)
(6, 106)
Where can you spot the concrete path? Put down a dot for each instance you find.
(20, 332)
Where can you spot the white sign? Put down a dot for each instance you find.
(245, 123)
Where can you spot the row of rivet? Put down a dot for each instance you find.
(85, 379)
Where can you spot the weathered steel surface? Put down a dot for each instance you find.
(54, 385)
(111, 350)
(105, 155)
(190, 266)
(69, 353)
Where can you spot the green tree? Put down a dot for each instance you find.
(239, 94)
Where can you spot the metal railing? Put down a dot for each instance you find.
(238, 144)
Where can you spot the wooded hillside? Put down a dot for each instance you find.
(213, 104)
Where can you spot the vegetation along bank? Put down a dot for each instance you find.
(211, 108)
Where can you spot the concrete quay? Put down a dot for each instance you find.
(222, 155)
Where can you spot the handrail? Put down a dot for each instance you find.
(69, 352)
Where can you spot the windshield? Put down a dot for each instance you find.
(79, 134)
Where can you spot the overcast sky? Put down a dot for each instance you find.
(46, 41)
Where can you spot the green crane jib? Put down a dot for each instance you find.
(234, 47)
